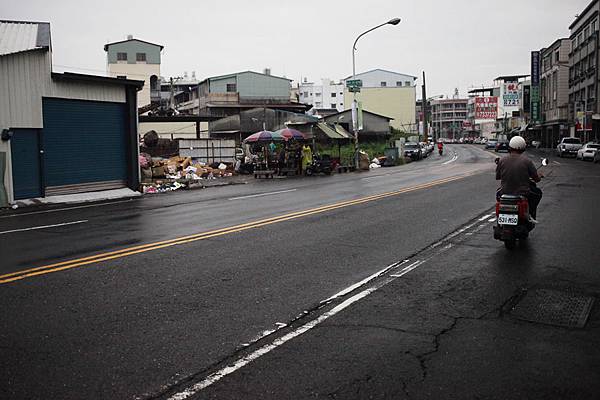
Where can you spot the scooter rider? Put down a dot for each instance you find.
(516, 172)
(440, 146)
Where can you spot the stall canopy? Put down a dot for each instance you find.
(335, 132)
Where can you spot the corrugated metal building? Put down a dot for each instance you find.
(61, 133)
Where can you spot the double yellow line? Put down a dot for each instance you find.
(79, 262)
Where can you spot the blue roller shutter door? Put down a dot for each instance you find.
(84, 144)
(25, 155)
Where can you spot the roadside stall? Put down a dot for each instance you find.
(263, 152)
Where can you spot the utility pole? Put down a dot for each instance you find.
(424, 104)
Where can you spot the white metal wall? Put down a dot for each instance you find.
(26, 77)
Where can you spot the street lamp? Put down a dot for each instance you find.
(394, 21)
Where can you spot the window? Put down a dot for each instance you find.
(594, 26)
(317, 104)
(398, 83)
(140, 57)
(383, 84)
(231, 88)
(332, 94)
(121, 56)
(317, 94)
(332, 105)
(557, 56)
(407, 83)
(341, 93)
(580, 39)
(586, 32)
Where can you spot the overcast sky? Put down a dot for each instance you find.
(459, 43)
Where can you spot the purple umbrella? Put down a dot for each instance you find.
(264, 136)
(289, 133)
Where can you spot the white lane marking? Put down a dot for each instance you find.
(262, 194)
(216, 376)
(64, 209)
(364, 281)
(454, 158)
(407, 269)
(44, 227)
(491, 219)
(375, 177)
(484, 217)
(556, 162)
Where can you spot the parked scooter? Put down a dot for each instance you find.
(513, 222)
(320, 164)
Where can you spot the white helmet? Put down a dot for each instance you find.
(517, 143)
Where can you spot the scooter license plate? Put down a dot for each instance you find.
(508, 219)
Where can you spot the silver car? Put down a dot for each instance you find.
(588, 151)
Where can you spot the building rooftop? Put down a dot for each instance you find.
(20, 36)
(382, 70)
(582, 14)
(132, 40)
(511, 77)
(243, 72)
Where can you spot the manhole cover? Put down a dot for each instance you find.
(554, 307)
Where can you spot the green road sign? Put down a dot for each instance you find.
(353, 83)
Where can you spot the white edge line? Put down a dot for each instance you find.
(261, 194)
(491, 219)
(214, 377)
(364, 281)
(44, 227)
(64, 209)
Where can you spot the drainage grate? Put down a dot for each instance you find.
(553, 307)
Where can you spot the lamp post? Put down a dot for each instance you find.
(394, 21)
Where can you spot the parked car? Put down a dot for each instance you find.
(568, 146)
(501, 145)
(491, 144)
(588, 151)
(413, 151)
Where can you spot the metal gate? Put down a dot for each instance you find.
(26, 171)
(85, 145)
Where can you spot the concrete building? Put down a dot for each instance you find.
(448, 117)
(583, 73)
(326, 95)
(554, 92)
(62, 133)
(387, 93)
(139, 60)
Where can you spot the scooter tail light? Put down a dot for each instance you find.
(523, 208)
(497, 208)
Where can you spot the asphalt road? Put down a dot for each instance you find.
(141, 319)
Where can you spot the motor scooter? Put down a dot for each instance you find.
(513, 222)
(440, 150)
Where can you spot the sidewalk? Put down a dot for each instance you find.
(476, 322)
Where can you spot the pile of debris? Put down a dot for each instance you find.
(167, 174)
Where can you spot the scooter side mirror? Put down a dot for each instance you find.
(497, 160)
(544, 161)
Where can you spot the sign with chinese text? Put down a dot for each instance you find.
(486, 107)
(511, 96)
(535, 87)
